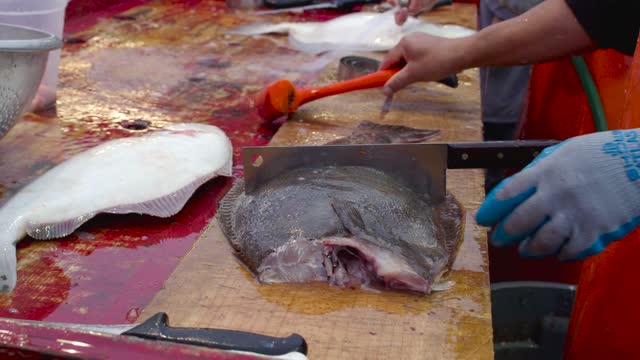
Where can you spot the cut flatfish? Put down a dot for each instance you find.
(153, 174)
(351, 226)
(361, 31)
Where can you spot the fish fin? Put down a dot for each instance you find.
(50, 231)
(226, 213)
(397, 134)
(349, 216)
(10, 234)
(443, 285)
(370, 132)
(450, 223)
(164, 206)
(226, 216)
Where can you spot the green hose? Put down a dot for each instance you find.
(590, 89)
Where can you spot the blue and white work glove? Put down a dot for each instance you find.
(572, 201)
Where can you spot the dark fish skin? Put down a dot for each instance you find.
(318, 205)
(368, 132)
(351, 226)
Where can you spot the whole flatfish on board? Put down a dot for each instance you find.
(153, 174)
(361, 31)
(351, 226)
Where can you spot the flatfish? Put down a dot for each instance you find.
(361, 31)
(153, 174)
(351, 226)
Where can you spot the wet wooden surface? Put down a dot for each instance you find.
(210, 288)
(139, 62)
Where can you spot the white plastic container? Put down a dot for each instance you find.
(45, 15)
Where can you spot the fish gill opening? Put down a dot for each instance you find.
(353, 262)
(346, 267)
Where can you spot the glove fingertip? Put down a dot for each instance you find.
(502, 238)
(488, 214)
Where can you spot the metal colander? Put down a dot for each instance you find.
(23, 59)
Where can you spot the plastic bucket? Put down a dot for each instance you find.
(530, 319)
(45, 15)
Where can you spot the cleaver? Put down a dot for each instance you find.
(421, 167)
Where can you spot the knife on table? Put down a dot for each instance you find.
(157, 328)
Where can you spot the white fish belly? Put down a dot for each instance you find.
(362, 31)
(153, 174)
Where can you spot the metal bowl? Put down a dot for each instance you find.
(23, 59)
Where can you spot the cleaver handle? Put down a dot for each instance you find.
(157, 328)
(495, 154)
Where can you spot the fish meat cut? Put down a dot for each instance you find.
(153, 174)
(349, 225)
(361, 31)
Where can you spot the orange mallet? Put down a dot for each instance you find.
(282, 97)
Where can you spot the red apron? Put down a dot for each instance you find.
(606, 313)
(606, 310)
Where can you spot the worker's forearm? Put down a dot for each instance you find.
(548, 31)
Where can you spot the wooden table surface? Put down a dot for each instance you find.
(128, 69)
(211, 288)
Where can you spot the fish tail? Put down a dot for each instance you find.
(10, 233)
(7, 268)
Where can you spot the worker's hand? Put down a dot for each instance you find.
(414, 7)
(573, 200)
(45, 98)
(425, 58)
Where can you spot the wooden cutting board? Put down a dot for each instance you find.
(211, 288)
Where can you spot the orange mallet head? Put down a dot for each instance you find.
(276, 100)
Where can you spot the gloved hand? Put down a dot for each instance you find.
(573, 200)
(424, 57)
